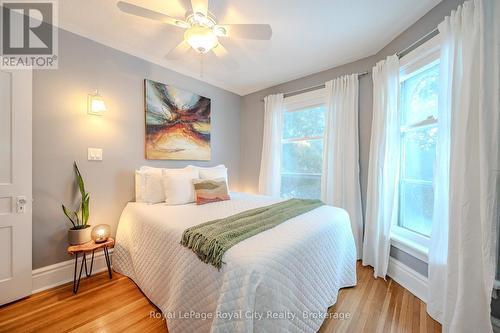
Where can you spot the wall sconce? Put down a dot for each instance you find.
(95, 104)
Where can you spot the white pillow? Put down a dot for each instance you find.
(149, 183)
(138, 186)
(146, 168)
(140, 181)
(153, 188)
(213, 173)
(178, 186)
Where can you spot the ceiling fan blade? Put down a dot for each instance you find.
(200, 6)
(150, 14)
(221, 52)
(246, 31)
(177, 52)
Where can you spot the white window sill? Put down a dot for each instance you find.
(409, 246)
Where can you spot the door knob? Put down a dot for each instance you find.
(20, 204)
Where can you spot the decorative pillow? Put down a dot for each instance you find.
(210, 190)
(178, 187)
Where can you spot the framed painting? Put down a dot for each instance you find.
(177, 123)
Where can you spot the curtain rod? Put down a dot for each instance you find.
(417, 43)
(400, 54)
(303, 90)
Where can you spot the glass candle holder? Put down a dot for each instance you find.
(100, 233)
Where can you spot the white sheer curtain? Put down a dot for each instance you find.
(463, 241)
(340, 180)
(270, 163)
(383, 170)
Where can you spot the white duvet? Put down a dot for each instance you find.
(281, 280)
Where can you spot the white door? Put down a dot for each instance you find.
(15, 184)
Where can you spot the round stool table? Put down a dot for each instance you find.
(84, 249)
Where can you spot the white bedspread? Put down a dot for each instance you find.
(281, 280)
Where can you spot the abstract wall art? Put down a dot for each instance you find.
(177, 123)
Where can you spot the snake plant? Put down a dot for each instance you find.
(80, 217)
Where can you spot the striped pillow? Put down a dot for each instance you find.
(210, 190)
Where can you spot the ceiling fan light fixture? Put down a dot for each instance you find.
(201, 39)
(202, 31)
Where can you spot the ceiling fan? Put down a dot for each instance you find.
(202, 29)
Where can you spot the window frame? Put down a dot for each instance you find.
(294, 103)
(415, 62)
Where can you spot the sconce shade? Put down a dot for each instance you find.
(100, 233)
(95, 104)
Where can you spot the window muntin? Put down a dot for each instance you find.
(302, 152)
(418, 105)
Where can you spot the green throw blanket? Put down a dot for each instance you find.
(210, 240)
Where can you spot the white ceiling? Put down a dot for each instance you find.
(308, 35)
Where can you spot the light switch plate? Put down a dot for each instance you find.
(94, 154)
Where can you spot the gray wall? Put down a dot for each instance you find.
(62, 132)
(252, 113)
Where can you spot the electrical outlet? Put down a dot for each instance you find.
(94, 154)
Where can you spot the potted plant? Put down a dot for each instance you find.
(81, 231)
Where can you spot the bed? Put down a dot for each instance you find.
(281, 280)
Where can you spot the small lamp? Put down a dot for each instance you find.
(100, 233)
(95, 104)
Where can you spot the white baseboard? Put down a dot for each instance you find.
(417, 284)
(54, 275)
(410, 279)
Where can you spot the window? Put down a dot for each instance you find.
(302, 147)
(419, 105)
(419, 90)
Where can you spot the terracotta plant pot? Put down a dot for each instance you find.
(79, 236)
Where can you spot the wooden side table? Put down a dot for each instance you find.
(86, 248)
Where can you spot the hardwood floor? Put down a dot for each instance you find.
(377, 306)
(117, 305)
(101, 305)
